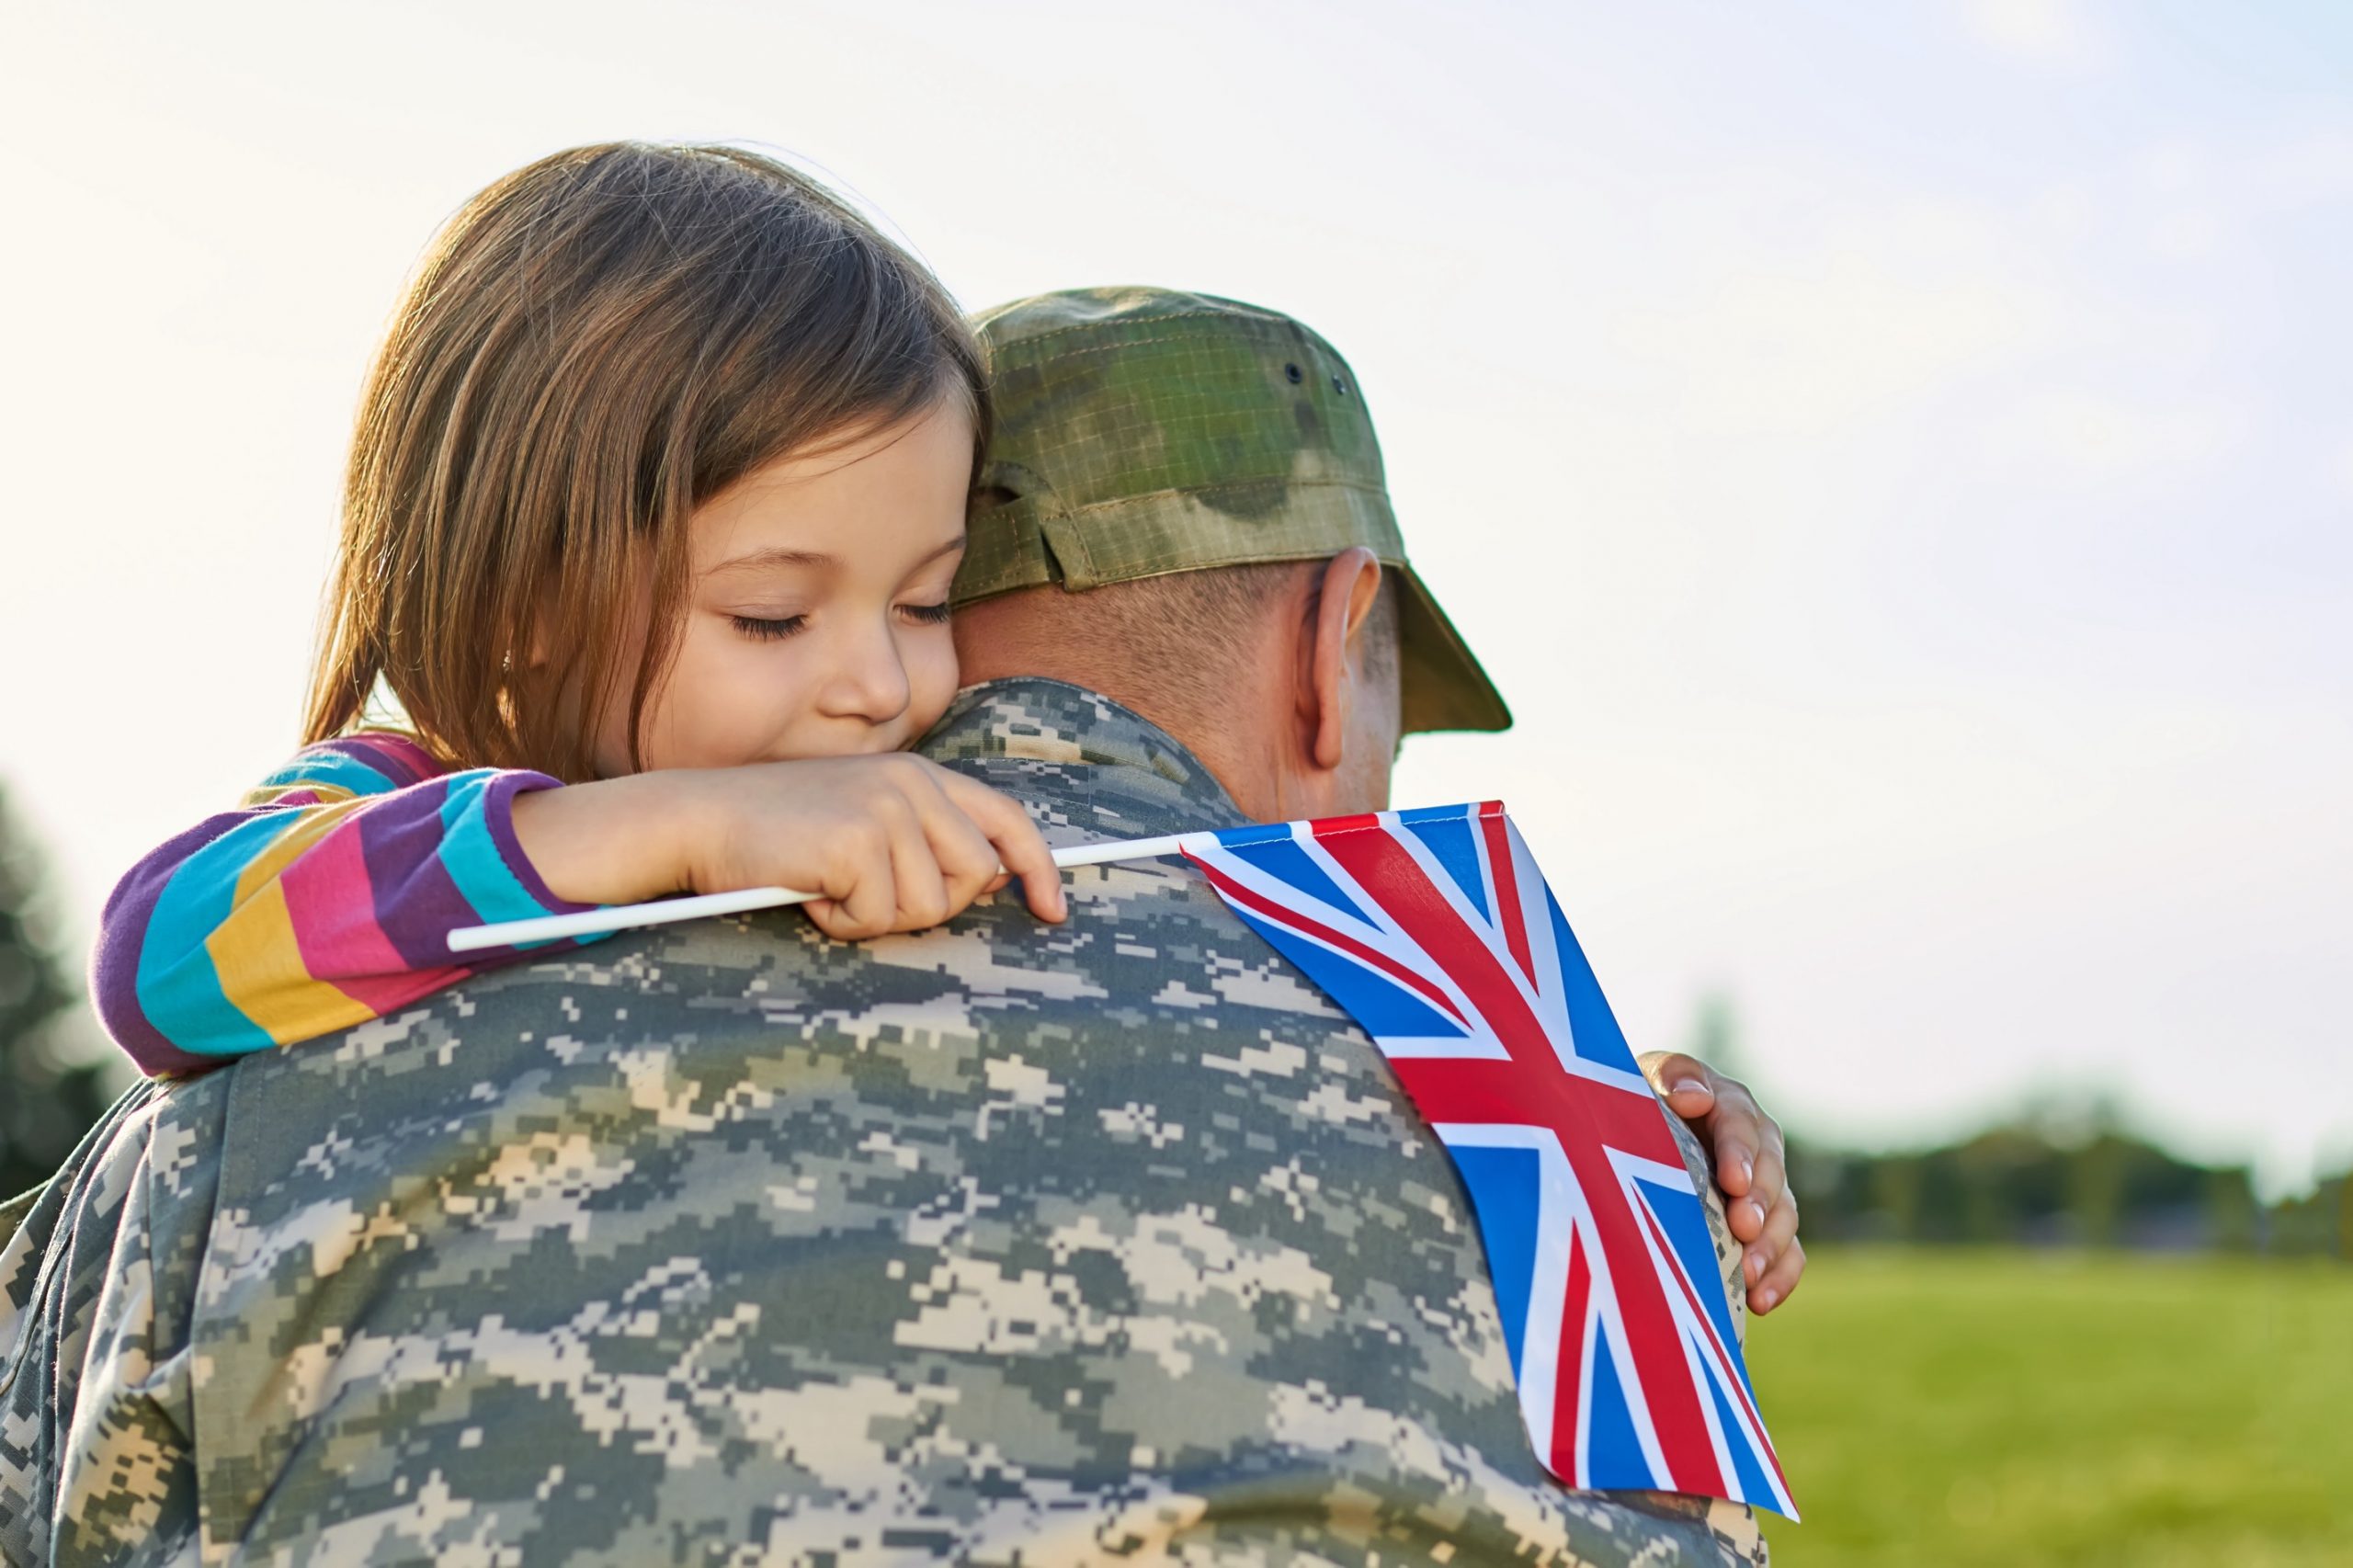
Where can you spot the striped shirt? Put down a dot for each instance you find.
(325, 900)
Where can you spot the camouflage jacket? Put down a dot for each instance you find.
(726, 1243)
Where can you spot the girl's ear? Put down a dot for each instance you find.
(536, 653)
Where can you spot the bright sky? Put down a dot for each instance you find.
(1897, 460)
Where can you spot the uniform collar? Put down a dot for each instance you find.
(1053, 744)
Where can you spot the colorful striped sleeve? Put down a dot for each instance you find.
(325, 900)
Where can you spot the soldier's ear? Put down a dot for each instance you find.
(1348, 593)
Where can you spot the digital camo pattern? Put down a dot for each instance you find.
(724, 1243)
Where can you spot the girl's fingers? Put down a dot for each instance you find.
(870, 904)
(826, 914)
(1026, 856)
(921, 890)
(833, 917)
(918, 844)
(967, 860)
(1017, 844)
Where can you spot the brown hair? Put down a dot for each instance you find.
(592, 347)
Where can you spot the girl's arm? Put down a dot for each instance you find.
(327, 898)
(889, 843)
(323, 901)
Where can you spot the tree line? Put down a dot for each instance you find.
(53, 1080)
(2055, 1175)
(2031, 1184)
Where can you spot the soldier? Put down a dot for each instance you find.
(723, 1242)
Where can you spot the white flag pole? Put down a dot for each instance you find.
(663, 912)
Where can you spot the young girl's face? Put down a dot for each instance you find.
(815, 616)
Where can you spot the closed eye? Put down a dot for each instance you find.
(928, 615)
(766, 631)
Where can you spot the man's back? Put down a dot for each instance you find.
(726, 1244)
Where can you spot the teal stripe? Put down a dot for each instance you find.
(178, 989)
(472, 858)
(324, 766)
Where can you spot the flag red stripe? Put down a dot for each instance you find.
(1509, 914)
(1668, 1390)
(1568, 1388)
(1716, 1353)
(1456, 1088)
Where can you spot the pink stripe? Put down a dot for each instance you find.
(380, 993)
(401, 751)
(332, 906)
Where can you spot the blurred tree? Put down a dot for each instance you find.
(52, 1086)
(2318, 1224)
(1894, 1186)
(2058, 1174)
(2006, 1180)
(2097, 1178)
(2232, 1213)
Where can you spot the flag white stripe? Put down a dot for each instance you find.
(1548, 1286)
(1546, 1001)
(1389, 940)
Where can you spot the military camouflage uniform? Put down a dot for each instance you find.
(724, 1243)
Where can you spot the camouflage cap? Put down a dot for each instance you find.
(1146, 431)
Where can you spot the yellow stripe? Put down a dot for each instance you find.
(305, 825)
(268, 794)
(255, 952)
(261, 971)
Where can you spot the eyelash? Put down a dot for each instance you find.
(765, 631)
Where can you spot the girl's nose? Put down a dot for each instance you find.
(869, 682)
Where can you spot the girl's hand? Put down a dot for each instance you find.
(889, 843)
(892, 843)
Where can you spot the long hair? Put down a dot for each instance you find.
(591, 349)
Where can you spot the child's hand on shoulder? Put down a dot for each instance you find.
(889, 843)
(893, 842)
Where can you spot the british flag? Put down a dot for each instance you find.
(1437, 932)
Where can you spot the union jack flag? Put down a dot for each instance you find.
(1437, 932)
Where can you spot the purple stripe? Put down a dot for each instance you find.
(498, 814)
(416, 904)
(122, 931)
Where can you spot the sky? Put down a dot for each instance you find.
(1897, 460)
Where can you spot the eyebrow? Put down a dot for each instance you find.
(757, 559)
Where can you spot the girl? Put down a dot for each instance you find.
(652, 512)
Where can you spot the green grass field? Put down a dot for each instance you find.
(1945, 1408)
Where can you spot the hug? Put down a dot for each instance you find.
(693, 540)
